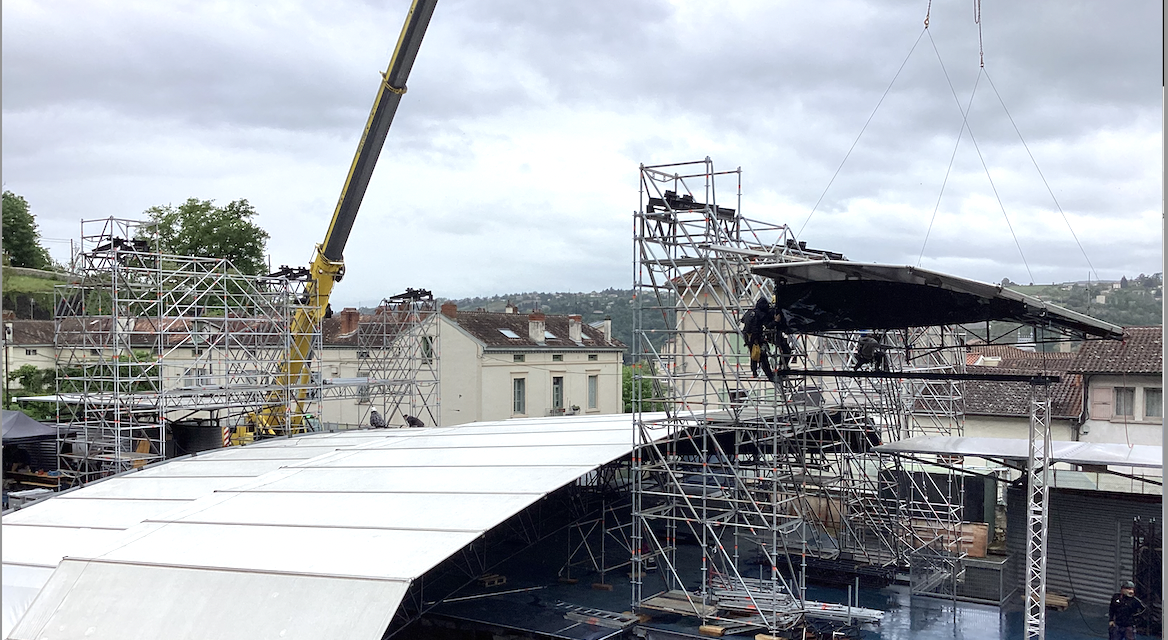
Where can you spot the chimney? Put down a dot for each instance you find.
(450, 310)
(535, 326)
(510, 308)
(607, 328)
(350, 317)
(575, 323)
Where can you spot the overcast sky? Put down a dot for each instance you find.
(512, 164)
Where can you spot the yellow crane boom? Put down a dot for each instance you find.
(328, 266)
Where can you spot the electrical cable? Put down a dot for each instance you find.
(862, 130)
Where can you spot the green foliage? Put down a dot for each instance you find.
(34, 381)
(21, 240)
(199, 228)
(630, 381)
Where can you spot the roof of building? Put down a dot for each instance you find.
(988, 398)
(32, 332)
(1140, 352)
(1010, 352)
(495, 330)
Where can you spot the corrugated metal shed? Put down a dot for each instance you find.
(318, 536)
(1089, 548)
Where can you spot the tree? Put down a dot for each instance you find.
(21, 237)
(630, 380)
(199, 228)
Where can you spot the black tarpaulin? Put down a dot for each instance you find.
(19, 428)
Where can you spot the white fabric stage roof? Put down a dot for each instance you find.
(311, 537)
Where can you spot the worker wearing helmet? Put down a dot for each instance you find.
(1121, 617)
(375, 420)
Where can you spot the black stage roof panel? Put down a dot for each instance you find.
(839, 295)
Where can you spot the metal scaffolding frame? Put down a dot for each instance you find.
(759, 472)
(147, 343)
(399, 354)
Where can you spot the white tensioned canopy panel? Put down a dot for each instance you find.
(1097, 453)
(311, 537)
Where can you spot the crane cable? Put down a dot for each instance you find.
(862, 129)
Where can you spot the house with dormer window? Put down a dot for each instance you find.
(509, 365)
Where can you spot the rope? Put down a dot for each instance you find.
(1040, 175)
(864, 128)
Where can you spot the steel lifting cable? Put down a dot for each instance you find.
(1040, 175)
(973, 139)
(953, 156)
(863, 129)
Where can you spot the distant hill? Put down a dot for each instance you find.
(1131, 302)
(1134, 302)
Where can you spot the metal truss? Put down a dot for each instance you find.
(1038, 494)
(146, 341)
(755, 471)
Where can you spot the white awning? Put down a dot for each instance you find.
(1096, 453)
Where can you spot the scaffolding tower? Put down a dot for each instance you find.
(763, 474)
(161, 355)
(398, 355)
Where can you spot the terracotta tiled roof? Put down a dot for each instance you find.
(485, 326)
(32, 332)
(1140, 352)
(1008, 352)
(1013, 398)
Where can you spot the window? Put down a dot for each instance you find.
(362, 355)
(508, 333)
(95, 352)
(1153, 402)
(558, 392)
(592, 357)
(30, 352)
(427, 349)
(557, 357)
(197, 377)
(519, 396)
(1125, 400)
(519, 357)
(593, 391)
(548, 335)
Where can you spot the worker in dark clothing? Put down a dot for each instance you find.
(414, 423)
(375, 420)
(757, 323)
(870, 351)
(1121, 617)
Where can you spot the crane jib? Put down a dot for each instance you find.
(381, 117)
